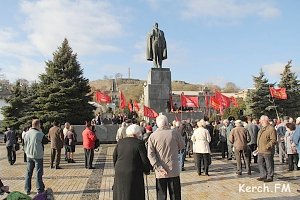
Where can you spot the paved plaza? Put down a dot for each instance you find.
(76, 182)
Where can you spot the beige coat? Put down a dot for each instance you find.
(163, 147)
(266, 139)
(239, 137)
(201, 139)
(56, 137)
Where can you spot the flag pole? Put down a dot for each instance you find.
(274, 105)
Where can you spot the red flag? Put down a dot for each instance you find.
(224, 100)
(130, 107)
(189, 101)
(136, 105)
(102, 98)
(148, 112)
(235, 102)
(215, 104)
(122, 100)
(279, 93)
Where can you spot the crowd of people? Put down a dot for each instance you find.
(167, 145)
(162, 147)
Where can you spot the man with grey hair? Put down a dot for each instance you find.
(281, 129)
(34, 148)
(266, 141)
(163, 147)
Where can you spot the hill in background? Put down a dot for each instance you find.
(133, 88)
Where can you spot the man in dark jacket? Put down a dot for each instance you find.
(10, 139)
(56, 137)
(253, 131)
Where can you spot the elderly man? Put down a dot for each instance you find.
(253, 131)
(239, 137)
(266, 141)
(56, 136)
(163, 147)
(34, 148)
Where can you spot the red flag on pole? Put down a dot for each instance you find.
(102, 97)
(224, 100)
(122, 100)
(130, 107)
(234, 101)
(189, 101)
(215, 104)
(136, 105)
(279, 93)
(148, 112)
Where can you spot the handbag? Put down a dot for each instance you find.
(16, 147)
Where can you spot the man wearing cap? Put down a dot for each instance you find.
(239, 137)
(163, 147)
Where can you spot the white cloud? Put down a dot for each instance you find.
(275, 69)
(90, 26)
(86, 24)
(26, 69)
(227, 11)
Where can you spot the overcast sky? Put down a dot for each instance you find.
(215, 41)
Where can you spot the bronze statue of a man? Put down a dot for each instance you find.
(156, 46)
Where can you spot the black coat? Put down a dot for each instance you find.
(130, 161)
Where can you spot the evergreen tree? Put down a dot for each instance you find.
(14, 110)
(29, 102)
(291, 105)
(63, 92)
(258, 100)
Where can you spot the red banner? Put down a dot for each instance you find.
(148, 112)
(224, 100)
(102, 98)
(234, 102)
(279, 93)
(189, 101)
(215, 104)
(122, 101)
(136, 106)
(130, 107)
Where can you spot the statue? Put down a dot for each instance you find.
(156, 46)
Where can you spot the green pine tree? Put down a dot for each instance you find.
(14, 111)
(291, 105)
(258, 100)
(63, 92)
(29, 102)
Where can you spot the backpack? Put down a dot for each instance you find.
(97, 143)
(17, 196)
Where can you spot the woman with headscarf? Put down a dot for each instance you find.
(201, 139)
(130, 162)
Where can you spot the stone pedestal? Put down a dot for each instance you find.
(158, 89)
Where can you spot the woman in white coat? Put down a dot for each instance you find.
(201, 139)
